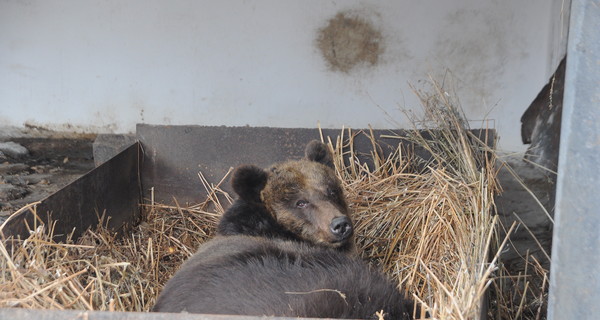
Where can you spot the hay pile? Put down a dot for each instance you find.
(426, 222)
(101, 271)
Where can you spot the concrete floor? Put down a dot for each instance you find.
(48, 165)
(532, 238)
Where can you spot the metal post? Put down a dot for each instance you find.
(575, 273)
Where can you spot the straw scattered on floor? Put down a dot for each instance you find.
(428, 222)
(100, 271)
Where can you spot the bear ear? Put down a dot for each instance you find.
(319, 152)
(248, 181)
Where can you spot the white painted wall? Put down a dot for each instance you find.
(105, 65)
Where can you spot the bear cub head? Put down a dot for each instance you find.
(301, 199)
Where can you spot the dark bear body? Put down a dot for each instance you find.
(296, 200)
(258, 276)
(284, 249)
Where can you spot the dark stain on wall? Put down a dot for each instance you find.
(349, 40)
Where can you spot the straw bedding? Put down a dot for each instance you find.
(426, 222)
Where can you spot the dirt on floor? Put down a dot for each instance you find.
(39, 167)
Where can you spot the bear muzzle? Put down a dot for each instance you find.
(341, 228)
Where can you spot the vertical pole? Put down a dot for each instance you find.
(575, 270)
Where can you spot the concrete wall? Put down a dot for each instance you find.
(104, 65)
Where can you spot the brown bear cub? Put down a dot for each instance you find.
(282, 250)
(295, 200)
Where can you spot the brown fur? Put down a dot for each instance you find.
(310, 181)
(265, 277)
(296, 200)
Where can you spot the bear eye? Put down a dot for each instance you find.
(301, 203)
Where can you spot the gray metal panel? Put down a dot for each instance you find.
(173, 155)
(114, 186)
(575, 273)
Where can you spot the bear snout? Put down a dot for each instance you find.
(341, 228)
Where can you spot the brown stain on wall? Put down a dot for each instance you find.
(349, 40)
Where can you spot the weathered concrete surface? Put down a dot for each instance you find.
(526, 190)
(48, 165)
(13, 150)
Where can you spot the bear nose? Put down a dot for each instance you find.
(341, 227)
